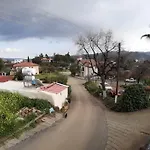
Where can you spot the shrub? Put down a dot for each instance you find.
(69, 90)
(146, 82)
(93, 88)
(74, 68)
(53, 77)
(134, 98)
(109, 102)
(18, 75)
(39, 104)
(124, 86)
(10, 104)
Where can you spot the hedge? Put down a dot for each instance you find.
(134, 98)
(93, 88)
(53, 77)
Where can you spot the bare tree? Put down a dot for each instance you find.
(141, 70)
(98, 46)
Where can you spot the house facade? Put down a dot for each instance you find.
(46, 60)
(87, 68)
(58, 92)
(21, 65)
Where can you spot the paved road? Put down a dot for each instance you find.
(84, 129)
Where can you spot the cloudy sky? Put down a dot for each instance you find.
(29, 27)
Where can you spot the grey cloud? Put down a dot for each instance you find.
(28, 22)
(66, 18)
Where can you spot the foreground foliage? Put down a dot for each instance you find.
(10, 104)
(133, 99)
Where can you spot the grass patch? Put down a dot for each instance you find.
(53, 77)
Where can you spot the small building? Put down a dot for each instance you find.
(46, 60)
(55, 93)
(21, 65)
(58, 92)
(86, 67)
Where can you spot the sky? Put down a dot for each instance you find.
(28, 28)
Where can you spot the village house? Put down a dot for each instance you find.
(55, 93)
(58, 92)
(46, 60)
(18, 66)
(86, 67)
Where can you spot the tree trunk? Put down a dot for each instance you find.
(138, 80)
(103, 87)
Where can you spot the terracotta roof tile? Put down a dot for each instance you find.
(87, 62)
(25, 64)
(5, 78)
(54, 88)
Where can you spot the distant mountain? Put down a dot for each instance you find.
(130, 55)
(10, 59)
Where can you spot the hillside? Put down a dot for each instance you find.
(130, 55)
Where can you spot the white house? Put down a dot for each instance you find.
(55, 93)
(58, 92)
(46, 60)
(26, 64)
(86, 67)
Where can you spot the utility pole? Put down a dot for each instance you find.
(118, 67)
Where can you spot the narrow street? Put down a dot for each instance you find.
(84, 129)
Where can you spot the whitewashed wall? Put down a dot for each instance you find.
(89, 71)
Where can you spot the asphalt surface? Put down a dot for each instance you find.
(84, 128)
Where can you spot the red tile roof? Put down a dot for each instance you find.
(88, 62)
(25, 64)
(5, 78)
(54, 88)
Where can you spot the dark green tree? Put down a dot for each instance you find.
(74, 68)
(28, 59)
(46, 56)
(1, 64)
(41, 55)
(36, 60)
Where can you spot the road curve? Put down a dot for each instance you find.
(84, 129)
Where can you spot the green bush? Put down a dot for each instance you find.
(69, 90)
(109, 102)
(39, 104)
(18, 75)
(53, 77)
(124, 86)
(134, 98)
(93, 88)
(146, 82)
(10, 104)
(7, 122)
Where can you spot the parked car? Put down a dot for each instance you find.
(107, 86)
(131, 80)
